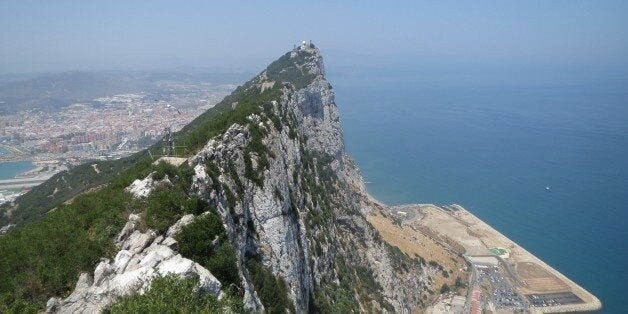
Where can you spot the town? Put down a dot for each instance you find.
(104, 128)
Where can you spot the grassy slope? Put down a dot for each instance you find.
(44, 256)
(66, 185)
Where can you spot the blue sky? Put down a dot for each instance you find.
(41, 36)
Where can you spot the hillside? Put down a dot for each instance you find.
(267, 213)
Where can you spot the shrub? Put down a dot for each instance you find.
(196, 242)
(44, 258)
(272, 290)
(171, 294)
(459, 283)
(285, 69)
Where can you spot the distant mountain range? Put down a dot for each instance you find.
(49, 92)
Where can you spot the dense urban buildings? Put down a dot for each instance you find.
(107, 127)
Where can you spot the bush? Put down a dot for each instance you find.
(65, 185)
(196, 242)
(171, 294)
(459, 283)
(285, 69)
(272, 290)
(218, 119)
(164, 206)
(44, 258)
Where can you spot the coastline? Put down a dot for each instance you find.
(476, 231)
(592, 303)
(9, 175)
(13, 184)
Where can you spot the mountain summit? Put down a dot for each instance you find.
(263, 210)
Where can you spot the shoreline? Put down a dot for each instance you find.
(21, 174)
(483, 237)
(592, 304)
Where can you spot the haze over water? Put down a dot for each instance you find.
(495, 146)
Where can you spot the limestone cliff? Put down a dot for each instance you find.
(303, 215)
(291, 200)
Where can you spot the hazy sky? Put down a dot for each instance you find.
(38, 36)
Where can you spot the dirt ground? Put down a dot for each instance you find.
(538, 280)
(413, 242)
(477, 237)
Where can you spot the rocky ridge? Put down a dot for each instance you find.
(292, 202)
(142, 257)
(305, 217)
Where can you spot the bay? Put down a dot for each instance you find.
(8, 170)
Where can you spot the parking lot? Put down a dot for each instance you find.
(550, 299)
(502, 292)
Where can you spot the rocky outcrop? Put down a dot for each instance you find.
(307, 213)
(142, 188)
(289, 197)
(142, 257)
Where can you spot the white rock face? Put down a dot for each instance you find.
(176, 228)
(141, 188)
(141, 258)
(274, 220)
(271, 220)
(318, 118)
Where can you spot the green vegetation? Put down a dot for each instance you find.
(369, 289)
(334, 298)
(285, 69)
(272, 290)
(165, 206)
(459, 284)
(356, 282)
(44, 258)
(435, 264)
(171, 294)
(399, 259)
(68, 184)
(444, 288)
(63, 186)
(67, 223)
(236, 179)
(257, 148)
(218, 119)
(330, 297)
(205, 241)
(498, 251)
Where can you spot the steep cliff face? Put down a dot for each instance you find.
(294, 201)
(270, 160)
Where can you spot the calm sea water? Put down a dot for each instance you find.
(494, 148)
(8, 170)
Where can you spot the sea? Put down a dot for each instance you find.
(8, 170)
(543, 158)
